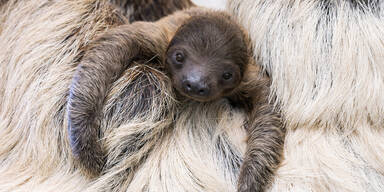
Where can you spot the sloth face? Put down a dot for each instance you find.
(201, 78)
(206, 58)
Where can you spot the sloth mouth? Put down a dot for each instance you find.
(196, 97)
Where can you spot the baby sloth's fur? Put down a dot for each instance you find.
(210, 41)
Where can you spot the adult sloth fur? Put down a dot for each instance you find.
(149, 10)
(41, 43)
(326, 61)
(327, 64)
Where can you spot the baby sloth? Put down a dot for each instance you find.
(207, 56)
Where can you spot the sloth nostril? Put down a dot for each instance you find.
(188, 87)
(203, 91)
(195, 88)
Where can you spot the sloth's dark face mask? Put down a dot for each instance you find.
(206, 58)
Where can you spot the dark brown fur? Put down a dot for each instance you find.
(210, 46)
(217, 44)
(150, 10)
(119, 48)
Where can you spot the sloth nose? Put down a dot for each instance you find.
(194, 88)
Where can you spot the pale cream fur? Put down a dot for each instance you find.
(328, 77)
(331, 93)
(40, 45)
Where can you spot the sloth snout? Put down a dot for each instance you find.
(197, 87)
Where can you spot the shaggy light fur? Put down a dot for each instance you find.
(41, 43)
(326, 59)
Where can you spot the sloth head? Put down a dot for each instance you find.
(206, 57)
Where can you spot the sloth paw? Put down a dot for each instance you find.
(250, 179)
(90, 162)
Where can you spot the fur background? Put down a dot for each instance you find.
(42, 41)
(326, 60)
(215, 4)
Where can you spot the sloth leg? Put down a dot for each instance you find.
(103, 63)
(266, 134)
(264, 150)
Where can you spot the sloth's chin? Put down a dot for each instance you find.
(198, 98)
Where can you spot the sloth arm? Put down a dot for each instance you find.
(265, 139)
(104, 61)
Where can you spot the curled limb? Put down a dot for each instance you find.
(103, 63)
(266, 134)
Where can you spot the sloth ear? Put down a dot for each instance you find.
(105, 60)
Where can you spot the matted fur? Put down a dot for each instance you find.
(41, 42)
(326, 59)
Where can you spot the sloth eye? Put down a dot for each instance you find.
(179, 57)
(227, 76)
